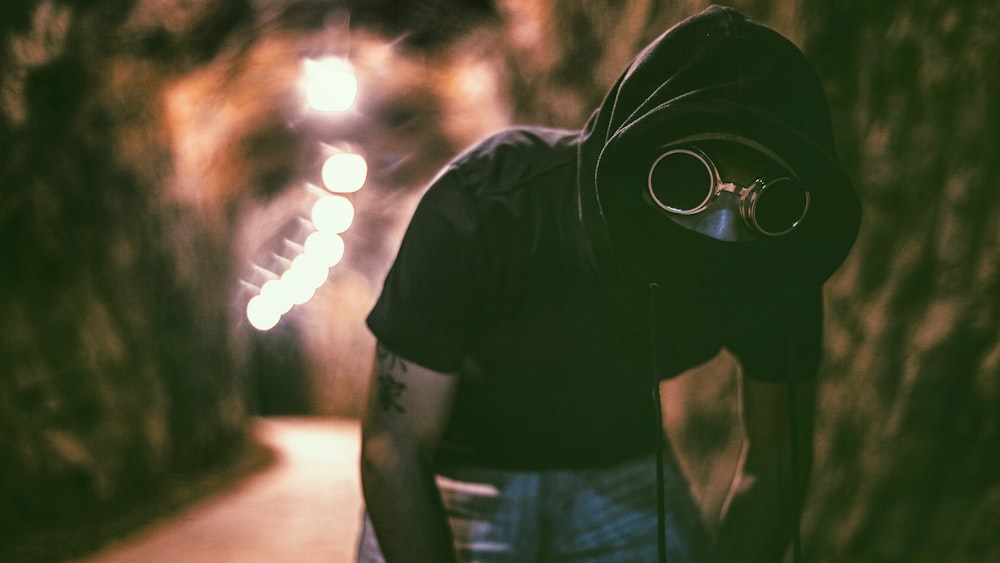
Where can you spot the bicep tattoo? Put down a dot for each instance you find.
(389, 389)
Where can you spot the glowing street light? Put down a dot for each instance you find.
(345, 172)
(276, 293)
(330, 84)
(299, 287)
(312, 271)
(262, 314)
(332, 214)
(325, 247)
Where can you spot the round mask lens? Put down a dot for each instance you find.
(680, 181)
(779, 206)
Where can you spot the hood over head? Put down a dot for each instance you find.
(716, 76)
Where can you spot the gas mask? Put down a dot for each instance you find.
(686, 184)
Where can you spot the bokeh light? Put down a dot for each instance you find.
(313, 271)
(305, 274)
(277, 295)
(332, 214)
(298, 286)
(262, 314)
(326, 247)
(345, 172)
(330, 84)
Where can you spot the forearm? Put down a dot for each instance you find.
(759, 514)
(405, 508)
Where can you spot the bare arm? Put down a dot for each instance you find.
(757, 515)
(407, 410)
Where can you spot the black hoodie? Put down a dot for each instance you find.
(714, 76)
(527, 263)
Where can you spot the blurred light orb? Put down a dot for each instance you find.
(332, 214)
(313, 271)
(345, 172)
(330, 84)
(325, 247)
(275, 292)
(299, 285)
(262, 314)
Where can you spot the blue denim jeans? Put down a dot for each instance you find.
(591, 515)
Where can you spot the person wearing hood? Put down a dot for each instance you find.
(549, 280)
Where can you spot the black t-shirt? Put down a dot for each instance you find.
(554, 371)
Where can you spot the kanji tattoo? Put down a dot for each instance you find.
(389, 388)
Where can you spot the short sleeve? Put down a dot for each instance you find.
(788, 347)
(430, 297)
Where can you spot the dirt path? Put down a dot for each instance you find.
(305, 507)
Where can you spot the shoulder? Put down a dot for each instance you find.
(513, 157)
(515, 141)
(504, 177)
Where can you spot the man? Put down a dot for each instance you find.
(549, 280)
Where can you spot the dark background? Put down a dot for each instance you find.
(149, 158)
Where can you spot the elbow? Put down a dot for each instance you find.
(380, 462)
(779, 462)
(379, 456)
(384, 456)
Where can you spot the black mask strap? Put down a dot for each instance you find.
(661, 516)
(793, 421)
